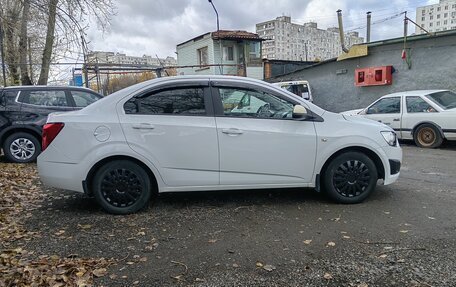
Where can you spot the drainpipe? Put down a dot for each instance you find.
(341, 31)
(368, 32)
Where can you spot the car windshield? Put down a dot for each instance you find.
(446, 99)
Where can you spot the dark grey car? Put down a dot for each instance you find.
(23, 113)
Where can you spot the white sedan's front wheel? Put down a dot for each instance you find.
(350, 177)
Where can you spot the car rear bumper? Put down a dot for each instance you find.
(61, 175)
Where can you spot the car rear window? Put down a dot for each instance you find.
(83, 99)
(446, 99)
(176, 101)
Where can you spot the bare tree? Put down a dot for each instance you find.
(10, 20)
(46, 31)
(47, 52)
(23, 41)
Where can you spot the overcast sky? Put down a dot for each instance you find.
(155, 26)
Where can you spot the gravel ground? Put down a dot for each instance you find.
(403, 235)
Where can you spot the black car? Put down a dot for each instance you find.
(24, 111)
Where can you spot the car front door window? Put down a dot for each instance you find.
(239, 102)
(386, 106)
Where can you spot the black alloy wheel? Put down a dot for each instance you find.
(350, 177)
(122, 187)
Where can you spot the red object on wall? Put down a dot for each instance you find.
(374, 76)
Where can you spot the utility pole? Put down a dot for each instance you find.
(84, 69)
(218, 36)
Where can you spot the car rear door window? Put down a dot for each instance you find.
(418, 105)
(52, 98)
(175, 101)
(83, 99)
(386, 106)
(238, 102)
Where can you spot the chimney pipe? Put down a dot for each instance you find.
(368, 32)
(341, 31)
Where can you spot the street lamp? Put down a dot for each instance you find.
(216, 13)
(218, 36)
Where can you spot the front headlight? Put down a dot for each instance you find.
(390, 137)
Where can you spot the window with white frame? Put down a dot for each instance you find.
(202, 56)
(228, 53)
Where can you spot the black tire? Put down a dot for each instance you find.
(427, 136)
(21, 147)
(350, 177)
(121, 187)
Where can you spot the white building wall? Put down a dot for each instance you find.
(437, 17)
(290, 41)
(187, 55)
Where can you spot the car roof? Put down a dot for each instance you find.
(413, 93)
(44, 87)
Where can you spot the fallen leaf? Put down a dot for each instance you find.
(308, 241)
(99, 272)
(327, 276)
(259, 264)
(85, 226)
(362, 285)
(269, 268)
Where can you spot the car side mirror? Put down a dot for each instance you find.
(299, 112)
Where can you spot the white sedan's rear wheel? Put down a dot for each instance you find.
(427, 136)
(122, 187)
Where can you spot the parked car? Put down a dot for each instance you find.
(425, 116)
(300, 88)
(176, 134)
(23, 113)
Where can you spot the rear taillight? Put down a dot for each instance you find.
(50, 131)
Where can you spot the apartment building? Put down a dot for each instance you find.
(120, 58)
(437, 17)
(285, 40)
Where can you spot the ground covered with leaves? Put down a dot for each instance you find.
(403, 235)
(20, 194)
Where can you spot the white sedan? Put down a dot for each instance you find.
(212, 133)
(425, 116)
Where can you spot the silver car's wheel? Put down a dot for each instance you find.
(21, 147)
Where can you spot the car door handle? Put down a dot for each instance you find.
(396, 120)
(232, 131)
(143, 126)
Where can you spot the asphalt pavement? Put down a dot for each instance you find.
(403, 235)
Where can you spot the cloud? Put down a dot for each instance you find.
(155, 27)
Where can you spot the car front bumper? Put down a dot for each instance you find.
(392, 160)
